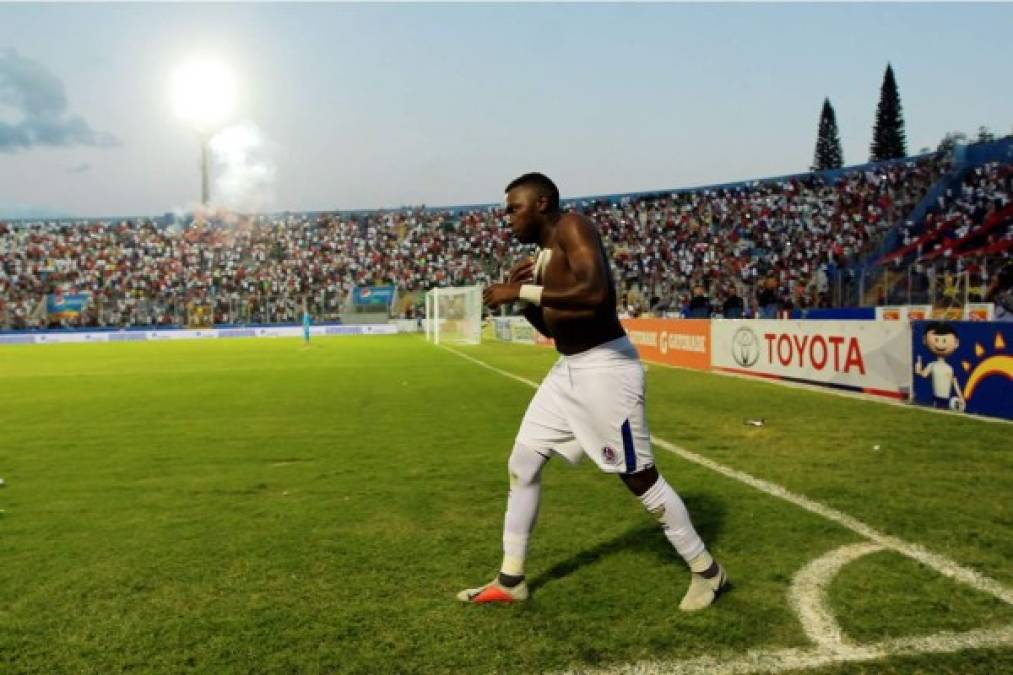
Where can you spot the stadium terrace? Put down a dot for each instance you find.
(918, 230)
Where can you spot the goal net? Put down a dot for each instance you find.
(454, 315)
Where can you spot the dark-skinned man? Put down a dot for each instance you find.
(591, 402)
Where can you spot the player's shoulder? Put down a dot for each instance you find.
(574, 219)
(575, 226)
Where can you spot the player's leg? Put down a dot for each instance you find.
(708, 578)
(542, 429)
(523, 499)
(607, 413)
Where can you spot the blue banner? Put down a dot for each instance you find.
(963, 365)
(66, 306)
(373, 295)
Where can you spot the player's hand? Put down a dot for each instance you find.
(500, 294)
(523, 272)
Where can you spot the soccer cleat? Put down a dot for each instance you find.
(494, 592)
(703, 591)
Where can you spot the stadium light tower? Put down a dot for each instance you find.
(204, 93)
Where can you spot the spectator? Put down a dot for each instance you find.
(767, 301)
(732, 308)
(699, 304)
(1000, 292)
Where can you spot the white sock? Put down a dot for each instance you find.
(664, 504)
(522, 507)
(701, 563)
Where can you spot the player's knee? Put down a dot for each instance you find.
(525, 465)
(641, 481)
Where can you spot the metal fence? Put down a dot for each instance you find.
(941, 283)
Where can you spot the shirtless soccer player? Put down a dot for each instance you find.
(592, 400)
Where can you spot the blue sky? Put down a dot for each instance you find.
(381, 105)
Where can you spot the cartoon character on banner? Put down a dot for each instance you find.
(941, 339)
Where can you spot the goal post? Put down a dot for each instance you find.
(454, 315)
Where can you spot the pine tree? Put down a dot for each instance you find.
(888, 141)
(828, 153)
(950, 141)
(985, 134)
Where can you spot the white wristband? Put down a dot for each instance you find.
(531, 293)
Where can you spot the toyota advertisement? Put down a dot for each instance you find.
(865, 356)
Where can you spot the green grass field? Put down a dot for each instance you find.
(248, 506)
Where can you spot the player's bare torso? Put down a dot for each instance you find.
(575, 331)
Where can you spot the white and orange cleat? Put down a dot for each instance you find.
(494, 592)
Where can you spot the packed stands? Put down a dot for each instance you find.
(961, 243)
(755, 247)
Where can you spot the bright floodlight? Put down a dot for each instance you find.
(204, 93)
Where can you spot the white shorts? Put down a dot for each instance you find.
(592, 404)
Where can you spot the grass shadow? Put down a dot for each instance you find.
(706, 512)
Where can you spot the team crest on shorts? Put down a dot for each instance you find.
(610, 455)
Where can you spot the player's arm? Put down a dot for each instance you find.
(579, 242)
(524, 273)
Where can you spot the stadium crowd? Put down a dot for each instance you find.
(982, 200)
(772, 242)
(967, 233)
(753, 247)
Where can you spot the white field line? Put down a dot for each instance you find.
(504, 373)
(939, 563)
(807, 595)
(783, 660)
(807, 598)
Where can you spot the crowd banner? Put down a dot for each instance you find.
(675, 342)
(65, 305)
(873, 357)
(382, 296)
(963, 366)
